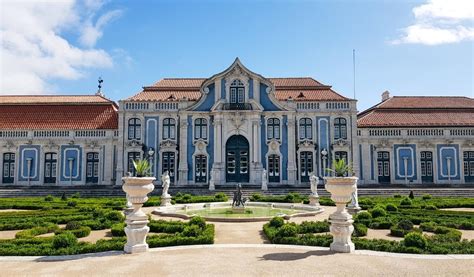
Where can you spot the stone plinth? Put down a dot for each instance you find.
(165, 200)
(314, 200)
(137, 189)
(341, 189)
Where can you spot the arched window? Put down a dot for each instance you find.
(169, 127)
(134, 128)
(200, 128)
(237, 92)
(306, 128)
(340, 128)
(273, 128)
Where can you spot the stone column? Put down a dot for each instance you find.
(183, 150)
(255, 150)
(292, 171)
(218, 145)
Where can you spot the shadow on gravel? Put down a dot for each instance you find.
(78, 257)
(294, 256)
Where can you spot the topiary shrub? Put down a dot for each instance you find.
(397, 232)
(118, 230)
(71, 203)
(411, 195)
(198, 221)
(378, 211)
(360, 230)
(277, 222)
(114, 216)
(405, 202)
(256, 197)
(391, 208)
(49, 198)
(426, 196)
(66, 239)
(63, 197)
(429, 226)
(431, 207)
(414, 239)
(72, 225)
(313, 227)
(405, 224)
(76, 195)
(220, 196)
(192, 231)
(287, 230)
(397, 196)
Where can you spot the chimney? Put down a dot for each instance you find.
(385, 95)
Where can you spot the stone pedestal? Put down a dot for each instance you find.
(264, 186)
(353, 210)
(314, 200)
(165, 200)
(137, 229)
(341, 189)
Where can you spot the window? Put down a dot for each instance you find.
(200, 128)
(168, 164)
(340, 155)
(134, 128)
(340, 128)
(201, 169)
(274, 168)
(132, 156)
(237, 92)
(306, 128)
(92, 167)
(8, 168)
(306, 165)
(273, 128)
(50, 167)
(169, 128)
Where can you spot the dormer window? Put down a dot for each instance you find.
(237, 92)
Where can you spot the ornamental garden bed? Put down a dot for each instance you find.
(53, 226)
(415, 225)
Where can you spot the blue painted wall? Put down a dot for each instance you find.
(223, 89)
(451, 151)
(361, 166)
(323, 141)
(284, 148)
(32, 152)
(209, 101)
(265, 100)
(71, 151)
(191, 147)
(372, 173)
(263, 141)
(151, 138)
(403, 151)
(251, 88)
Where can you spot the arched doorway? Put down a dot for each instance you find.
(237, 159)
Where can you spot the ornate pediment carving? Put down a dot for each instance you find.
(341, 143)
(469, 143)
(273, 144)
(200, 144)
(426, 144)
(383, 143)
(306, 143)
(9, 145)
(134, 143)
(51, 145)
(237, 120)
(93, 144)
(168, 144)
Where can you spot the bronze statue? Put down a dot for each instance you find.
(238, 201)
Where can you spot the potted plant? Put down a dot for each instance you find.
(137, 189)
(341, 187)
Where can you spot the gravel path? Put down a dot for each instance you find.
(243, 261)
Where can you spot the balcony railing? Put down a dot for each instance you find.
(237, 106)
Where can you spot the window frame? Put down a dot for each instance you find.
(273, 128)
(305, 128)
(169, 128)
(200, 128)
(134, 128)
(340, 128)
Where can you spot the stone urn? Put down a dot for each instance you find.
(137, 189)
(341, 189)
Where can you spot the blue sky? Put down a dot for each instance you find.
(135, 43)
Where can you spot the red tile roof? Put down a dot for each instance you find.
(52, 99)
(57, 112)
(421, 111)
(310, 89)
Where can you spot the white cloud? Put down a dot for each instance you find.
(440, 22)
(92, 32)
(34, 50)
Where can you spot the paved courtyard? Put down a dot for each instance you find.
(239, 260)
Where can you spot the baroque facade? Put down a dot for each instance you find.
(231, 128)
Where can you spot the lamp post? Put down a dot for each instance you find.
(28, 166)
(324, 153)
(71, 161)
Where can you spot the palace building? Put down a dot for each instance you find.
(229, 128)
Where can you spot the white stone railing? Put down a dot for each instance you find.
(66, 134)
